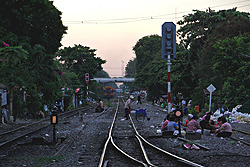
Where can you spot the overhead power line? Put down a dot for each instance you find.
(137, 19)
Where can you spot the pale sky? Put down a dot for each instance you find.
(113, 26)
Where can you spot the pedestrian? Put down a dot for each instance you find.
(189, 105)
(219, 123)
(207, 113)
(183, 102)
(153, 100)
(172, 125)
(40, 114)
(193, 125)
(165, 123)
(205, 124)
(99, 107)
(190, 116)
(173, 108)
(139, 100)
(225, 130)
(5, 114)
(185, 109)
(197, 108)
(128, 107)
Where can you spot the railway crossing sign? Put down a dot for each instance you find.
(211, 88)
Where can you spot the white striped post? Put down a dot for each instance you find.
(169, 84)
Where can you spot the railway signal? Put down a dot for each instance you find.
(87, 82)
(87, 77)
(168, 50)
(168, 42)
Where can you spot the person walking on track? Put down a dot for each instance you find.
(128, 106)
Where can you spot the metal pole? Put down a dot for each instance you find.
(210, 101)
(54, 134)
(169, 84)
(87, 91)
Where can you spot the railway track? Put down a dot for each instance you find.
(126, 147)
(11, 136)
(241, 136)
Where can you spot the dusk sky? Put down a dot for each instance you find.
(113, 27)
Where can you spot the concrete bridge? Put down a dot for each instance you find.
(109, 80)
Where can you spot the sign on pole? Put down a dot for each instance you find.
(210, 88)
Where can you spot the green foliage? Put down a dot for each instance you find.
(199, 33)
(107, 104)
(150, 69)
(29, 27)
(213, 49)
(80, 60)
(102, 74)
(232, 62)
(33, 22)
(131, 69)
(75, 62)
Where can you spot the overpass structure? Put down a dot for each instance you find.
(109, 80)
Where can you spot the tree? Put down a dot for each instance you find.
(150, 68)
(44, 75)
(232, 62)
(146, 49)
(130, 70)
(33, 22)
(198, 33)
(80, 60)
(13, 71)
(102, 74)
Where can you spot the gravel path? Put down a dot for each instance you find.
(87, 147)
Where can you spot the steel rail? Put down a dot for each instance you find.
(21, 136)
(134, 159)
(168, 153)
(172, 155)
(241, 131)
(42, 120)
(242, 141)
(110, 139)
(33, 131)
(144, 151)
(139, 137)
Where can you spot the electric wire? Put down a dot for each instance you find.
(137, 19)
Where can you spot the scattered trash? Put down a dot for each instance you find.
(133, 112)
(195, 147)
(46, 135)
(122, 119)
(186, 146)
(158, 131)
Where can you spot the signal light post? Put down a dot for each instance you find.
(87, 83)
(168, 51)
